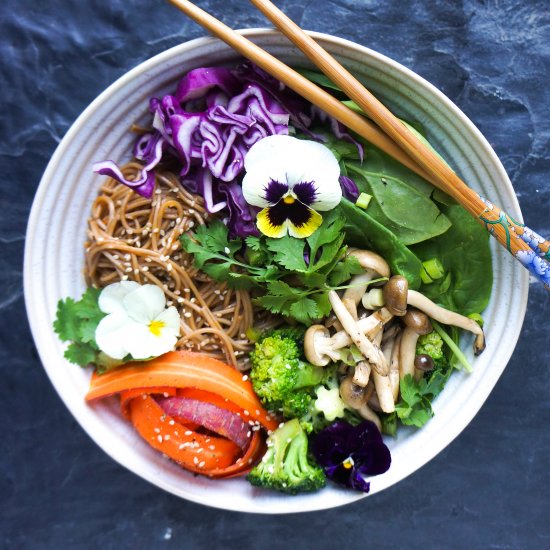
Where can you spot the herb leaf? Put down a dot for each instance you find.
(76, 322)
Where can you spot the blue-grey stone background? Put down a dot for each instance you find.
(488, 489)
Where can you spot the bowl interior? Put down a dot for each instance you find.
(54, 260)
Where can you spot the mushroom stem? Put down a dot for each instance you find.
(394, 367)
(371, 351)
(362, 374)
(407, 352)
(383, 383)
(447, 317)
(320, 348)
(416, 323)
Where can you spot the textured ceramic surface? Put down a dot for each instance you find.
(53, 260)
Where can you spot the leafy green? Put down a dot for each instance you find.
(466, 257)
(397, 204)
(363, 231)
(292, 276)
(415, 408)
(76, 322)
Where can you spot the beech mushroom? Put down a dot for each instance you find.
(355, 397)
(447, 317)
(369, 350)
(362, 373)
(382, 384)
(394, 367)
(417, 323)
(320, 348)
(374, 266)
(397, 296)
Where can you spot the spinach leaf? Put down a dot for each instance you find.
(405, 210)
(363, 231)
(464, 252)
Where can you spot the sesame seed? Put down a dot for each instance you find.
(248, 433)
(212, 447)
(166, 437)
(187, 314)
(195, 460)
(188, 432)
(201, 464)
(157, 430)
(181, 300)
(245, 377)
(145, 268)
(124, 278)
(171, 422)
(159, 437)
(246, 413)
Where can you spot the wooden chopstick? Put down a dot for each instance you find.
(301, 85)
(410, 151)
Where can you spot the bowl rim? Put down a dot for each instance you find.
(180, 50)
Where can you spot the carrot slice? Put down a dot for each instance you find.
(182, 369)
(202, 454)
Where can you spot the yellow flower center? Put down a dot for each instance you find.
(289, 199)
(156, 326)
(348, 463)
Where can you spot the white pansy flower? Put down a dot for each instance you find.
(138, 322)
(292, 180)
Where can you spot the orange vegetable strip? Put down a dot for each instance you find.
(198, 453)
(180, 369)
(243, 465)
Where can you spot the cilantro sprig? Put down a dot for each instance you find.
(415, 406)
(76, 322)
(291, 276)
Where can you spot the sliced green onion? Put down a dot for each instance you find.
(454, 348)
(363, 200)
(477, 318)
(434, 268)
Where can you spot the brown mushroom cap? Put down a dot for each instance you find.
(395, 293)
(423, 362)
(417, 321)
(352, 394)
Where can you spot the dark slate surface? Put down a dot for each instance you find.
(488, 489)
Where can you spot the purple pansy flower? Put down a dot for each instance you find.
(291, 180)
(350, 453)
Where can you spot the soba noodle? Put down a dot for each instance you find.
(134, 238)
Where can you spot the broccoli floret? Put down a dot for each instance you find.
(296, 334)
(285, 466)
(433, 345)
(280, 378)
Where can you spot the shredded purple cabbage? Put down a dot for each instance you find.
(209, 124)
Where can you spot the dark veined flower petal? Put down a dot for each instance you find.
(306, 192)
(274, 191)
(349, 453)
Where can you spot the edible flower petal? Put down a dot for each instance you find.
(291, 180)
(138, 323)
(350, 453)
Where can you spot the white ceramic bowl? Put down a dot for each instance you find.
(57, 228)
